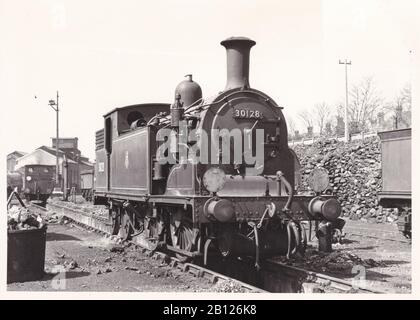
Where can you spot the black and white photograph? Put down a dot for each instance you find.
(196, 148)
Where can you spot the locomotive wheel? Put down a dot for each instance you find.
(153, 229)
(114, 217)
(225, 241)
(183, 235)
(125, 227)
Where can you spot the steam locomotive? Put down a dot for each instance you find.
(170, 181)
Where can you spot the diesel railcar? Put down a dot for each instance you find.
(396, 175)
(211, 175)
(38, 182)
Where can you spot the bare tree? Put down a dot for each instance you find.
(339, 119)
(405, 95)
(308, 120)
(339, 110)
(291, 126)
(400, 108)
(406, 104)
(328, 128)
(364, 103)
(322, 114)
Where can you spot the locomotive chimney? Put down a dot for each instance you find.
(237, 52)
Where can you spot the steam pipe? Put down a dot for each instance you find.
(280, 177)
(289, 239)
(257, 248)
(296, 234)
(304, 238)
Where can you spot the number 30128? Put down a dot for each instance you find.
(246, 113)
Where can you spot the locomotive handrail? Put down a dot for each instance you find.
(190, 109)
(280, 177)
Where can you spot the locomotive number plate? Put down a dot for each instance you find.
(247, 114)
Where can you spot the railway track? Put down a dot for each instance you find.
(101, 225)
(274, 276)
(316, 282)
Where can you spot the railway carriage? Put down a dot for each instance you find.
(396, 175)
(167, 184)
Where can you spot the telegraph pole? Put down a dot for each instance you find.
(346, 122)
(53, 103)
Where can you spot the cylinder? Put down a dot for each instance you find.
(237, 53)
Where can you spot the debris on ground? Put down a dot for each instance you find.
(228, 286)
(71, 265)
(82, 204)
(339, 261)
(20, 218)
(53, 219)
(117, 249)
(131, 268)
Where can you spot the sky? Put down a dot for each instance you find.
(104, 54)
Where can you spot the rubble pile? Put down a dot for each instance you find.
(338, 261)
(19, 218)
(228, 286)
(82, 205)
(355, 175)
(55, 219)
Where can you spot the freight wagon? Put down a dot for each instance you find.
(396, 175)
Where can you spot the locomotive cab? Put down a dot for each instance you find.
(123, 149)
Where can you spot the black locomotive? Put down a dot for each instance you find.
(234, 203)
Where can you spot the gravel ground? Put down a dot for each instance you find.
(392, 270)
(384, 265)
(94, 263)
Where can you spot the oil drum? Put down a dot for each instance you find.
(26, 254)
